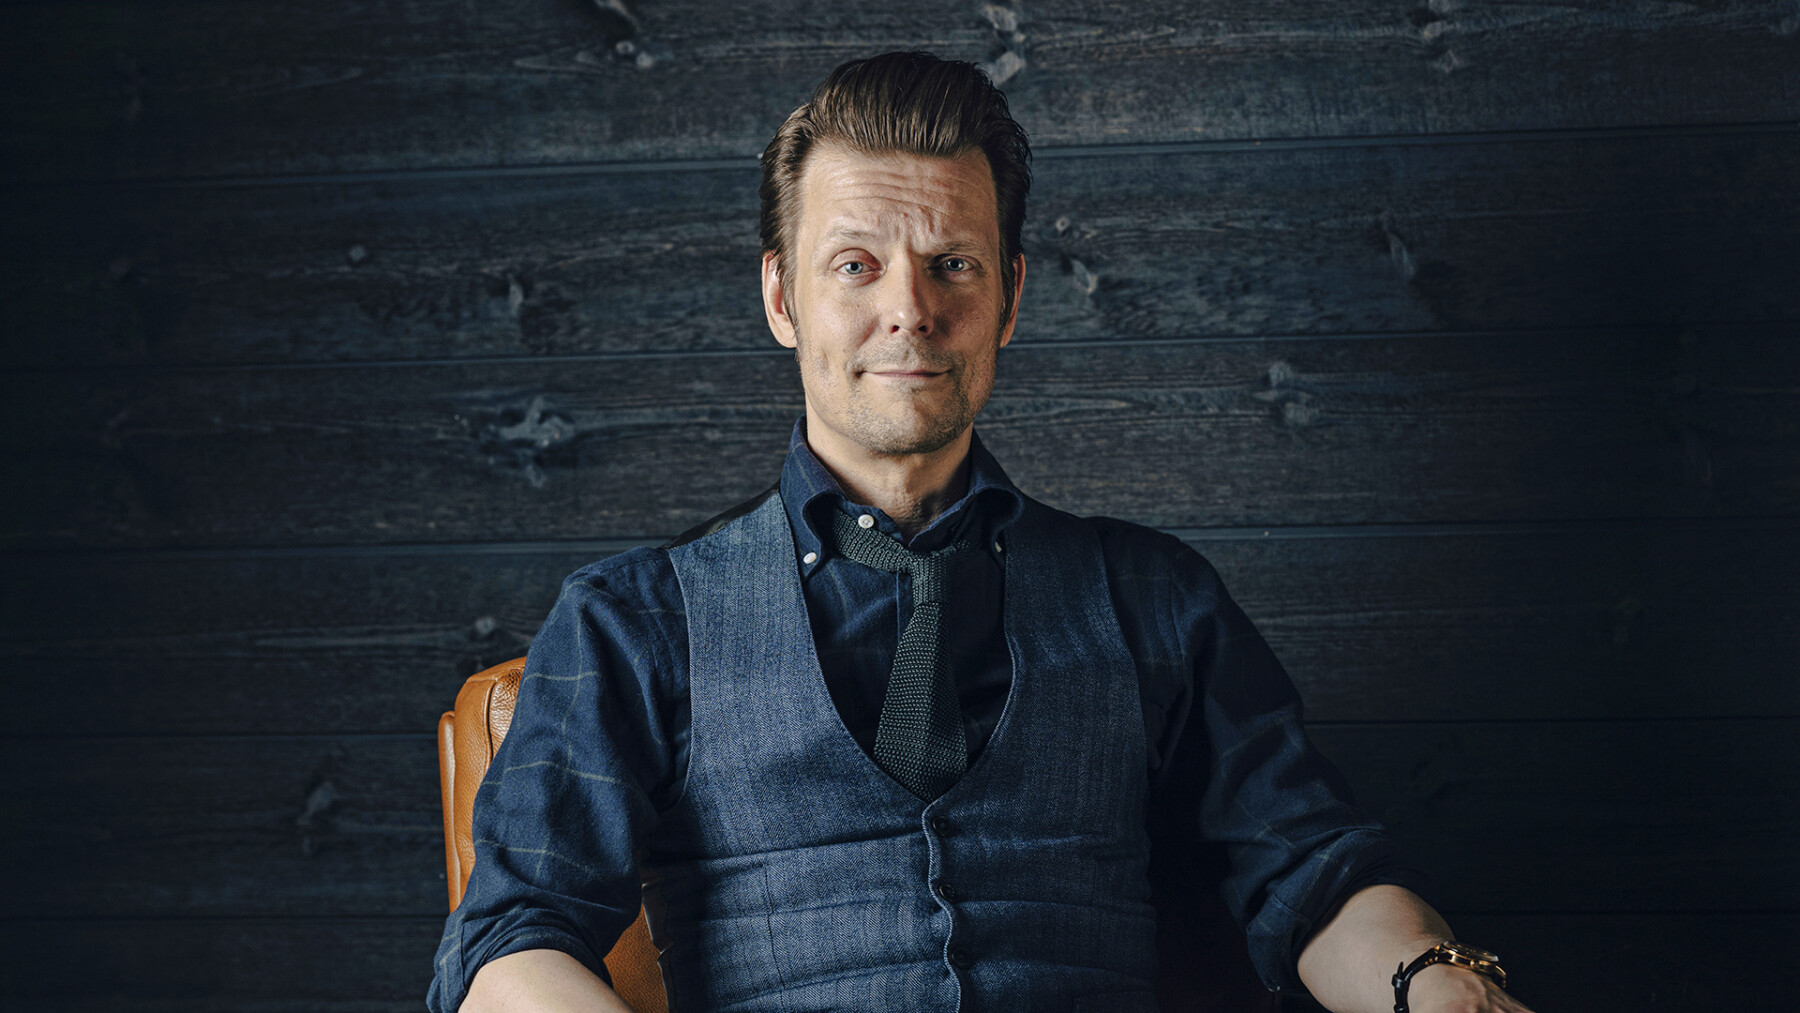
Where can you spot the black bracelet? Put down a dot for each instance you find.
(1456, 955)
(1401, 980)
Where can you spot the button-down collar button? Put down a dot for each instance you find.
(942, 825)
(948, 892)
(865, 522)
(810, 558)
(961, 959)
(996, 546)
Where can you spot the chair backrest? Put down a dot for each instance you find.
(467, 739)
(1204, 967)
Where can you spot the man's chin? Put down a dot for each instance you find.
(905, 437)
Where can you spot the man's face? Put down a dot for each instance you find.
(893, 298)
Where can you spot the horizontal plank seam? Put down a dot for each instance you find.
(1074, 151)
(1022, 347)
(430, 737)
(607, 546)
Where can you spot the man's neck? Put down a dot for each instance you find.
(913, 489)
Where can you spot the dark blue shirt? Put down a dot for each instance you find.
(1229, 762)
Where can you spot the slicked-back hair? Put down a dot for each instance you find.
(906, 103)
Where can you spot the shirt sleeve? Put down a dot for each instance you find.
(597, 742)
(1234, 769)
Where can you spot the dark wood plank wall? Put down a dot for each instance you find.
(1460, 335)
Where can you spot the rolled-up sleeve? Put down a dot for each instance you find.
(1234, 766)
(597, 741)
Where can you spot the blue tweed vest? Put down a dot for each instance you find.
(793, 874)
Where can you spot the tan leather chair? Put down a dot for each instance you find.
(1204, 967)
(467, 739)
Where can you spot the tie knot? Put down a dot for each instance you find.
(869, 547)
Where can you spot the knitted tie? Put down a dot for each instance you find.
(919, 741)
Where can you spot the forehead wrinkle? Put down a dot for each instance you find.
(937, 175)
(864, 218)
(866, 197)
(924, 230)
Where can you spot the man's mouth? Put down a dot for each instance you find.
(906, 379)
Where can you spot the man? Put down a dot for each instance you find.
(893, 735)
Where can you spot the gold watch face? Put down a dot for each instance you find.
(1474, 953)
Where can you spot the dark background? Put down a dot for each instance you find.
(1460, 335)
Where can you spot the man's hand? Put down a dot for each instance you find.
(1442, 988)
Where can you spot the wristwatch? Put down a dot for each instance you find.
(1456, 954)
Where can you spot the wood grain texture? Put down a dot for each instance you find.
(1599, 963)
(253, 827)
(1586, 623)
(214, 87)
(1524, 624)
(249, 965)
(1586, 816)
(1510, 427)
(1553, 232)
(1511, 816)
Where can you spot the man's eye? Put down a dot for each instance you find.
(954, 264)
(854, 267)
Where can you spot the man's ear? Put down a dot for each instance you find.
(1018, 291)
(774, 295)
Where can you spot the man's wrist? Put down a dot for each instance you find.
(1477, 968)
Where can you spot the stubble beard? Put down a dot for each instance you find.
(897, 430)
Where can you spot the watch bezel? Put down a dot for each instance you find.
(1474, 953)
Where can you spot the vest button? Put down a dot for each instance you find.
(943, 826)
(961, 959)
(948, 892)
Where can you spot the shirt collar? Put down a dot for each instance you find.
(808, 490)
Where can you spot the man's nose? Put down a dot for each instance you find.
(907, 301)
